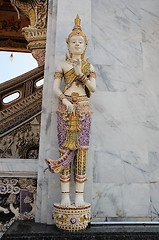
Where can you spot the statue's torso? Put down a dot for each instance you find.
(69, 77)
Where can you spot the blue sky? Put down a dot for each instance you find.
(22, 62)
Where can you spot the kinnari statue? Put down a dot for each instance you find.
(73, 121)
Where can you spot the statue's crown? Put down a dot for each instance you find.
(77, 30)
(77, 23)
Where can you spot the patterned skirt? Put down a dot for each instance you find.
(74, 128)
(73, 132)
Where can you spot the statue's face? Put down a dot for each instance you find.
(77, 45)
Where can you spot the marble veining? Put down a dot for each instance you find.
(153, 158)
(117, 200)
(133, 167)
(118, 79)
(122, 19)
(111, 52)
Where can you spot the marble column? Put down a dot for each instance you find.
(61, 15)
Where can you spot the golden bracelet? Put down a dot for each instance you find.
(92, 74)
(61, 97)
(83, 79)
(58, 75)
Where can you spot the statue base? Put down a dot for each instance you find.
(72, 218)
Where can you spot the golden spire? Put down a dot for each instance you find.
(77, 23)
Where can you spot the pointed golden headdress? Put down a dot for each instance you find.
(77, 30)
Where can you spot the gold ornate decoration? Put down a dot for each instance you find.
(17, 200)
(35, 33)
(72, 133)
(61, 97)
(58, 75)
(72, 218)
(11, 38)
(73, 128)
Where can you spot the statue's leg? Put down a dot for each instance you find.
(79, 200)
(80, 176)
(65, 176)
(65, 194)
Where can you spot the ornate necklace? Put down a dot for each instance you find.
(71, 61)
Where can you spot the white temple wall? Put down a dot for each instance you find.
(123, 164)
(125, 129)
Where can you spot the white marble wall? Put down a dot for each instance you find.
(124, 48)
(125, 127)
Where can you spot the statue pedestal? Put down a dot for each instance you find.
(72, 218)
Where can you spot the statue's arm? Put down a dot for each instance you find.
(56, 87)
(57, 80)
(91, 82)
(57, 90)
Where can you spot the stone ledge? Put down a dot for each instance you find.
(10, 167)
(31, 230)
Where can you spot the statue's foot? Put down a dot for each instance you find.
(79, 201)
(65, 200)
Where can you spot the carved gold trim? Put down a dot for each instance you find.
(33, 34)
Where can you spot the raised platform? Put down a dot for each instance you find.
(72, 218)
(31, 231)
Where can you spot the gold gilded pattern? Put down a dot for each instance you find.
(66, 172)
(82, 108)
(72, 133)
(93, 74)
(70, 76)
(81, 162)
(62, 96)
(79, 167)
(58, 75)
(72, 218)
